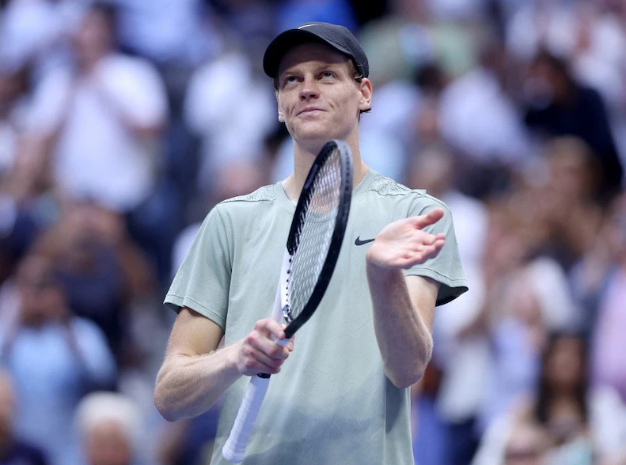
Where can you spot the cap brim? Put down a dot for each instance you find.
(287, 40)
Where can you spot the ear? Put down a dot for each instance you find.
(281, 117)
(365, 102)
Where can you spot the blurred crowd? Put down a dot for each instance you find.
(123, 122)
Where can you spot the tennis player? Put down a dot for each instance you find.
(343, 397)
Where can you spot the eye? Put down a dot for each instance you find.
(328, 74)
(288, 80)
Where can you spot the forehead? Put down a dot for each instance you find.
(311, 53)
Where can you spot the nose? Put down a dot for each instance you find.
(309, 89)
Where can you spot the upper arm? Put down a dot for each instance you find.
(423, 294)
(193, 334)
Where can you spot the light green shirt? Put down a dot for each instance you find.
(331, 403)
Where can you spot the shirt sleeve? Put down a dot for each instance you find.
(202, 282)
(446, 268)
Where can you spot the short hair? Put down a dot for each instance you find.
(102, 406)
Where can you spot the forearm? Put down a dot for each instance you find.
(188, 385)
(404, 337)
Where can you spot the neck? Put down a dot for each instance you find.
(303, 160)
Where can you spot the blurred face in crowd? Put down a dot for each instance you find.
(547, 81)
(7, 407)
(107, 444)
(94, 38)
(318, 97)
(41, 294)
(85, 229)
(571, 174)
(565, 365)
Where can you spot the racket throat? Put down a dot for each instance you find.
(287, 314)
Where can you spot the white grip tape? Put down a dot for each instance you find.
(235, 448)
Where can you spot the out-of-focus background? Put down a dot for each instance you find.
(123, 123)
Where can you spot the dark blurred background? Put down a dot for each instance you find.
(123, 122)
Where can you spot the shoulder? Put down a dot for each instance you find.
(262, 194)
(245, 208)
(386, 187)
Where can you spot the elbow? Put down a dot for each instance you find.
(162, 405)
(163, 401)
(407, 378)
(406, 375)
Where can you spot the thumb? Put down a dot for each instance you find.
(429, 218)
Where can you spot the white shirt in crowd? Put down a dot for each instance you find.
(97, 155)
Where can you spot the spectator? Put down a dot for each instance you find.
(14, 451)
(53, 357)
(104, 274)
(110, 429)
(579, 422)
(232, 113)
(566, 200)
(558, 105)
(18, 174)
(104, 117)
(608, 315)
(462, 359)
(36, 33)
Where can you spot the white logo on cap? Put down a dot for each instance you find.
(306, 25)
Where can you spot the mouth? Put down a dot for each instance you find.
(309, 111)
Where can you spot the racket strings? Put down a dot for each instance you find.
(315, 237)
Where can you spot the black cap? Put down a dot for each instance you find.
(338, 37)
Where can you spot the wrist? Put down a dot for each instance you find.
(375, 267)
(231, 359)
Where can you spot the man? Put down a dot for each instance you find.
(110, 429)
(343, 396)
(52, 356)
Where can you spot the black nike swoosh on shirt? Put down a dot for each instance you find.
(358, 241)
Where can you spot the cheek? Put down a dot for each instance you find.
(348, 101)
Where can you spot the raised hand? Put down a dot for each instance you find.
(403, 243)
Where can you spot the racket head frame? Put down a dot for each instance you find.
(341, 221)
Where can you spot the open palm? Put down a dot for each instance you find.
(403, 243)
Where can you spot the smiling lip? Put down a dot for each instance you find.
(309, 110)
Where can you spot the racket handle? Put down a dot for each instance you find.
(235, 448)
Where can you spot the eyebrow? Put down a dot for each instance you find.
(319, 67)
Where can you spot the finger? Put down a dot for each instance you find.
(426, 239)
(422, 253)
(289, 345)
(254, 367)
(432, 251)
(267, 362)
(269, 326)
(429, 218)
(254, 363)
(270, 348)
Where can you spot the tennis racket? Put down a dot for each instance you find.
(313, 245)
